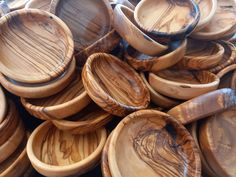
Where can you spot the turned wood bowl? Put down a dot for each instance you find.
(3, 105)
(114, 85)
(38, 4)
(226, 79)
(56, 153)
(183, 84)
(203, 106)
(155, 145)
(167, 23)
(52, 87)
(16, 4)
(125, 25)
(36, 58)
(142, 62)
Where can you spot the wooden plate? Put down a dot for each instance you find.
(204, 105)
(77, 154)
(155, 145)
(104, 161)
(16, 4)
(114, 85)
(27, 55)
(39, 4)
(3, 105)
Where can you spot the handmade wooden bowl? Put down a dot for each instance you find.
(183, 84)
(155, 145)
(144, 62)
(56, 153)
(204, 105)
(104, 161)
(125, 25)
(16, 4)
(114, 85)
(39, 90)
(38, 4)
(226, 70)
(36, 58)
(3, 105)
(218, 143)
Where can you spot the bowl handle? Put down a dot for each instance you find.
(4, 9)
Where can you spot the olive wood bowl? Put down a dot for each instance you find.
(3, 105)
(38, 4)
(16, 4)
(226, 70)
(114, 85)
(155, 145)
(28, 56)
(56, 153)
(104, 160)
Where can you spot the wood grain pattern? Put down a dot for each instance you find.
(3, 105)
(204, 105)
(16, 4)
(36, 46)
(155, 145)
(114, 85)
(38, 4)
(104, 160)
(225, 80)
(233, 81)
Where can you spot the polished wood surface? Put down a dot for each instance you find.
(38, 4)
(104, 161)
(3, 105)
(16, 4)
(233, 81)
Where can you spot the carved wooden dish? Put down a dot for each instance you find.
(16, 4)
(114, 85)
(39, 4)
(204, 105)
(3, 105)
(27, 55)
(78, 153)
(155, 145)
(125, 25)
(104, 161)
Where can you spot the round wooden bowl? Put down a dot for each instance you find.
(56, 153)
(144, 62)
(88, 120)
(155, 145)
(204, 105)
(104, 161)
(38, 4)
(36, 58)
(125, 25)
(39, 90)
(226, 70)
(218, 143)
(183, 84)
(68, 102)
(114, 85)
(3, 105)
(16, 4)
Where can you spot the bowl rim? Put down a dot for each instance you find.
(3, 103)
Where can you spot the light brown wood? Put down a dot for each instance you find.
(104, 161)
(38, 4)
(226, 70)
(204, 105)
(56, 153)
(126, 3)
(16, 4)
(155, 145)
(225, 80)
(3, 105)
(233, 81)
(36, 47)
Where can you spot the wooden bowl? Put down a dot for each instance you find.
(167, 23)
(204, 105)
(183, 84)
(226, 79)
(16, 4)
(68, 102)
(88, 120)
(125, 25)
(114, 85)
(104, 161)
(35, 58)
(144, 62)
(56, 153)
(3, 105)
(38, 4)
(226, 70)
(39, 90)
(155, 145)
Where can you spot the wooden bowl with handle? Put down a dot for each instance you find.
(38, 4)
(3, 105)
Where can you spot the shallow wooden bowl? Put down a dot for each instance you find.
(38, 4)
(144, 62)
(16, 4)
(204, 105)
(125, 25)
(68, 102)
(183, 84)
(36, 58)
(104, 160)
(39, 90)
(155, 145)
(56, 153)
(3, 105)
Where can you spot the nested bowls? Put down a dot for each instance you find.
(38, 4)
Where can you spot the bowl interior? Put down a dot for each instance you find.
(205, 7)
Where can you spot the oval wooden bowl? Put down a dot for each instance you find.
(144, 62)
(87, 120)
(104, 161)
(39, 4)
(204, 105)
(3, 105)
(77, 154)
(155, 145)
(68, 102)
(218, 143)
(39, 90)
(16, 4)
(125, 25)
(183, 84)
(114, 85)
(35, 58)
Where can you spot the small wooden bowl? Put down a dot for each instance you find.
(36, 58)
(144, 62)
(3, 105)
(167, 23)
(56, 153)
(204, 105)
(88, 120)
(114, 85)
(68, 102)
(38, 4)
(104, 161)
(183, 84)
(16, 4)
(155, 145)
(125, 25)
(39, 90)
